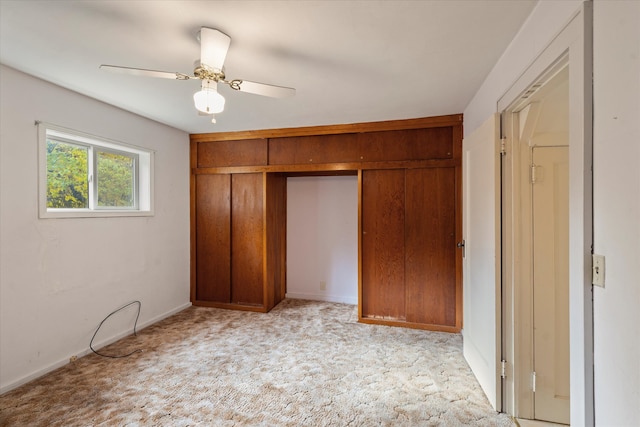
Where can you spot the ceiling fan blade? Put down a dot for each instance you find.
(214, 46)
(262, 89)
(146, 73)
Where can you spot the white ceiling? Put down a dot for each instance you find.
(350, 61)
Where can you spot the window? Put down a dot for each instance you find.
(82, 175)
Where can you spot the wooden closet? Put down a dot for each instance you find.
(409, 181)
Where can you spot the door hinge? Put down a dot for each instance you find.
(533, 381)
(503, 369)
(533, 173)
(503, 146)
(461, 245)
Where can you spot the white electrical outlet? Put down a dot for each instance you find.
(323, 286)
(598, 270)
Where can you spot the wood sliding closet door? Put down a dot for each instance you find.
(430, 246)
(213, 237)
(383, 256)
(247, 239)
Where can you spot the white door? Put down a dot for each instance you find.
(481, 288)
(550, 215)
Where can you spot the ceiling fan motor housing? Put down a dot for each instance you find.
(205, 72)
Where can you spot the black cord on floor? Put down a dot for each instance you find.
(134, 331)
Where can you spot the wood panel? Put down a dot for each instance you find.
(193, 156)
(276, 253)
(248, 152)
(247, 239)
(457, 155)
(384, 146)
(410, 144)
(213, 238)
(430, 226)
(314, 149)
(383, 258)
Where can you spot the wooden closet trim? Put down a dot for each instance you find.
(330, 167)
(421, 123)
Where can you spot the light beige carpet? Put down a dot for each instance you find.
(303, 364)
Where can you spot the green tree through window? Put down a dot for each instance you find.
(116, 179)
(67, 175)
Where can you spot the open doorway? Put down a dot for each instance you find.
(535, 212)
(569, 52)
(322, 238)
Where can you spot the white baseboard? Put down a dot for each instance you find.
(53, 366)
(323, 297)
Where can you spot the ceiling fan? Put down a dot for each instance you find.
(213, 50)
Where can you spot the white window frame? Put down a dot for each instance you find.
(94, 177)
(143, 174)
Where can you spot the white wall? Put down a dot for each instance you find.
(322, 238)
(617, 211)
(616, 183)
(546, 20)
(60, 277)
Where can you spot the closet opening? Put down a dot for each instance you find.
(322, 237)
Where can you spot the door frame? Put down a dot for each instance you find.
(573, 45)
(517, 125)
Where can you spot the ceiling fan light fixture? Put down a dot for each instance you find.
(208, 100)
(209, 70)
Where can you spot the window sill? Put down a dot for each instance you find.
(87, 213)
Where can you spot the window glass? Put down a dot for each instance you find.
(67, 175)
(116, 173)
